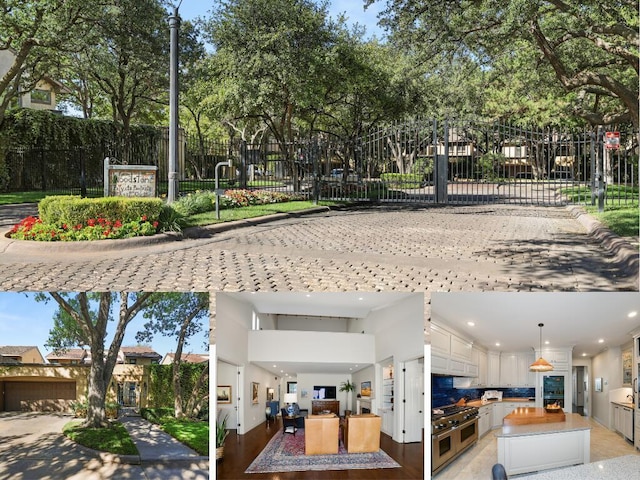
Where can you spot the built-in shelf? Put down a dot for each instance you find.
(388, 393)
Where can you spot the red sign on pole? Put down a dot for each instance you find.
(612, 140)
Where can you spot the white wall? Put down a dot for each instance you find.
(399, 329)
(227, 375)
(608, 366)
(312, 324)
(306, 381)
(315, 347)
(254, 414)
(233, 321)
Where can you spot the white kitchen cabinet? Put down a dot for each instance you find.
(623, 420)
(560, 358)
(526, 378)
(493, 369)
(497, 415)
(509, 370)
(451, 354)
(387, 421)
(484, 419)
(481, 379)
(440, 341)
(461, 349)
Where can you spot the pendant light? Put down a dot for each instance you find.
(541, 365)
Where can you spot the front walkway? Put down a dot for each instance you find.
(156, 446)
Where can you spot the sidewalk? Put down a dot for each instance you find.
(156, 446)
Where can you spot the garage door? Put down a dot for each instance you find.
(39, 396)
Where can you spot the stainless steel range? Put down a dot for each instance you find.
(453, 430)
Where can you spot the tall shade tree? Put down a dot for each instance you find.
(82, 320)
(178, 315)
(275, 54)
(590, 45)
(32, 34)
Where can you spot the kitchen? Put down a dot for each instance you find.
(483, 346)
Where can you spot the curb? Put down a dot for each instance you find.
(622, 251)
(8, 245)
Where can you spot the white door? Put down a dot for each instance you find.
(414, 400)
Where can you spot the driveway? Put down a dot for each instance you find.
(32, 448)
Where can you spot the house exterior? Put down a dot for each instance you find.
(27, 383)
(139, 355)
(20, 354)
(43, 96)
(42, 388)
(71, 356)
(186, 358)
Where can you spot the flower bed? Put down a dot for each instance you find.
(32, 228)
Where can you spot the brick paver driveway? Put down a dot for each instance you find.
(493, 248)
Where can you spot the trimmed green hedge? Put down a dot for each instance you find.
(402, 180)
(74, 210)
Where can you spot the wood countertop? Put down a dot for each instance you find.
(572, 422)
(478, 403)
(531, 415)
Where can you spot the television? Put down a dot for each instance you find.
(322, 392)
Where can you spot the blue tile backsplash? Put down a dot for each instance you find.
(443, 393)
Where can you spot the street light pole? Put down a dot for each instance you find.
(174, 25)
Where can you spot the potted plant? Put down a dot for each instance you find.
(347, 387)
(221, 436)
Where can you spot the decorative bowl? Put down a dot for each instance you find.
(553, 409)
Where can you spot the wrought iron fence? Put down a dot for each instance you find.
(422, 161)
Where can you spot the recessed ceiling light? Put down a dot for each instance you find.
(584, 354)
(471, 324)
(308, 295)
(281, 371)
(546, 342)
(360, 298)
(601, 340)
(497, 344)
(275, 366)
(632, 314)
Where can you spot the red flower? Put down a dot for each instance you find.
(91, 222)
(155, 224)
(144, 218)
(118, 224)
(79, 226)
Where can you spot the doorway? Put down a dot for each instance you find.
(580, 400)
(413, 400)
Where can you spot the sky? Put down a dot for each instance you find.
(353, 10)
(23, 321)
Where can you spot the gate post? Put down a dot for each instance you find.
(600, 180)
(441, 163)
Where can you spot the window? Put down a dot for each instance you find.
(131, 361)
(41, 96)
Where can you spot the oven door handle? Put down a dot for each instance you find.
(442, 435)
(466, 424)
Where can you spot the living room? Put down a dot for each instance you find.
(296, 348)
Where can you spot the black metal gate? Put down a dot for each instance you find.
(465, 162)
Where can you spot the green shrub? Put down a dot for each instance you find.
(155, 415)
(403, 180)
(74, 210)
(193, 203)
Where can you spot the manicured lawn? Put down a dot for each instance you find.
(114, 439)
(227, 215)
(35, 197)
(623, 221)
(194, 434)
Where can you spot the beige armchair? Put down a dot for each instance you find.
(362, 433)
(321, 434)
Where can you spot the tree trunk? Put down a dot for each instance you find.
(96, 412)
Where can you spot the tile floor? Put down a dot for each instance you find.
(476, 463)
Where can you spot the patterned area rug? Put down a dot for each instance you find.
(285, 453)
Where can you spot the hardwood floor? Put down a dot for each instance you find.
(241, 450)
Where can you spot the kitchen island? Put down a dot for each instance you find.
(627, 466)
(541, 446)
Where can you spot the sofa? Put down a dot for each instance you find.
(362, 433)
(321, 434)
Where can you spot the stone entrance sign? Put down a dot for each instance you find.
(129, 180)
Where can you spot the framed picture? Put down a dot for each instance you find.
(598, 384)
(254, 393)
(365, 389)
(224, 394)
